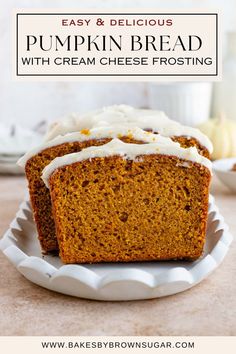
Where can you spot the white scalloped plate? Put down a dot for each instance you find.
(130, 281)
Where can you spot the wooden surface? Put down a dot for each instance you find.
(27, 309)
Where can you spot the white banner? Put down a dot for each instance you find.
(118, 45)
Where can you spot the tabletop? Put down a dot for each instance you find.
(27, 309)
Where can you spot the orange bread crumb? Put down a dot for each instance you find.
(110, 209)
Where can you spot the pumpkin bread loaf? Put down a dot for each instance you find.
(130, 118)
(130, 202)
(35, 161)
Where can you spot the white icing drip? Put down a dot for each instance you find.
(122, 114)
(115, 131)
(127, 151)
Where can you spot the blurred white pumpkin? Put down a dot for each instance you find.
(222, 133)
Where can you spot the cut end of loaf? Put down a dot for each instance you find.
(115, 210)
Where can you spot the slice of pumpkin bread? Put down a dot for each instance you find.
(127, 202)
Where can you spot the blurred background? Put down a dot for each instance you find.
(30, 105)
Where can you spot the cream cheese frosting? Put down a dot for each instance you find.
(129, 152)
(123, 114)
(102, 132)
